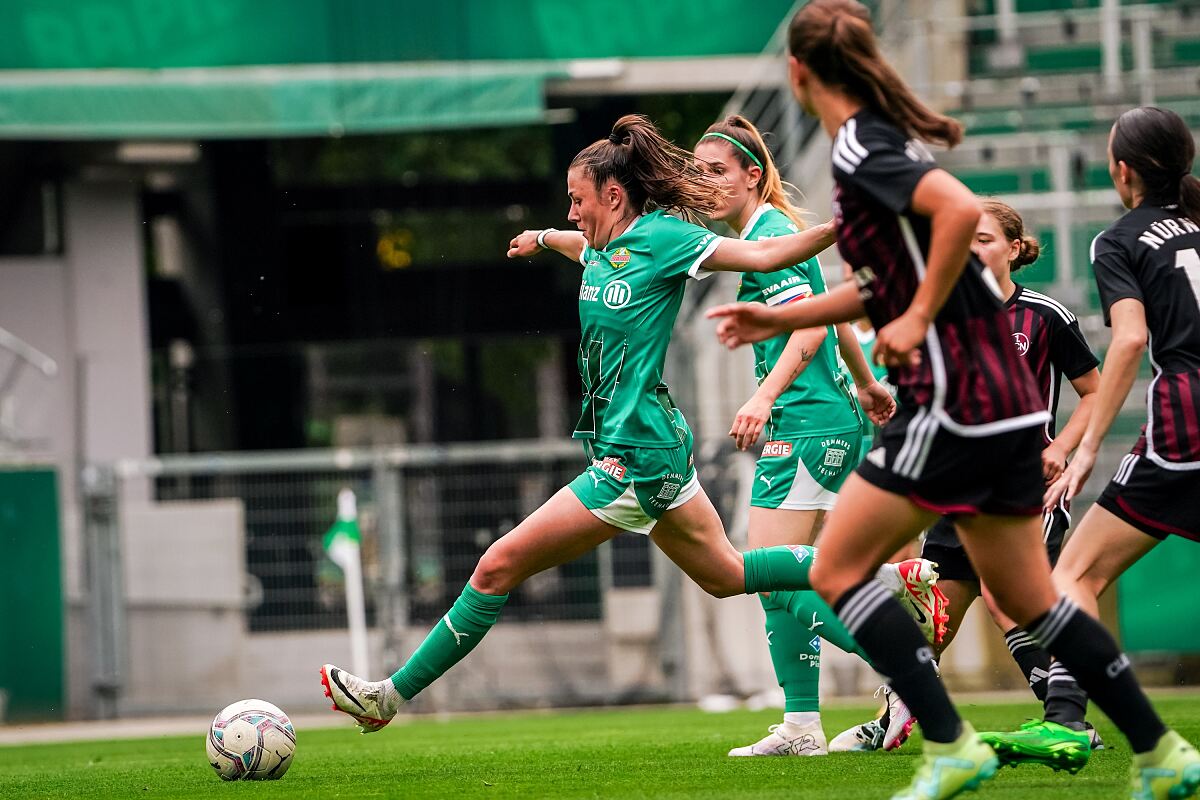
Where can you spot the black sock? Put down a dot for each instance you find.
(1086, 649)
(898, 649)
(1065, 703)
(1033, 660)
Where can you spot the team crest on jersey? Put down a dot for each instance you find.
(776, 449)
(619, 258)
(611, 466)
(1022, 343)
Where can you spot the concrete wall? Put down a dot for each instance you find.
(86, 309)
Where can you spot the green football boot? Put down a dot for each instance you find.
(1040, 742)
(948, 769)
(1171, 771)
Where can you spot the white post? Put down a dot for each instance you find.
(1110, 40)
(347, 554)
(1006, 20)
(1143, 59)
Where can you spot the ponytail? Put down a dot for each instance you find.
(749, 149)
(1157, 144)
(653, 172)
(834, 39)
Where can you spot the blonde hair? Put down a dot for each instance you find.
(653, 172)
(754, 152)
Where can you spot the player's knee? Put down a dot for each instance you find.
(495, 573)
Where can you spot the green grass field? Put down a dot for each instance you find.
(658, 753)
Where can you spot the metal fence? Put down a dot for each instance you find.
(159, 573)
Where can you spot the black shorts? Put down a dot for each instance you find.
(942, 545)
(1156, 501)
(915, 457)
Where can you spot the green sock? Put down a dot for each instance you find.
(816, 617)
(456, 634)
(784, 567)
(796, 655)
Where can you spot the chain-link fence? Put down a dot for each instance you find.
(209, 580)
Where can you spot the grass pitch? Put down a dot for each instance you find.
(647, 753)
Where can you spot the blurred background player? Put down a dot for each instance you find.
(636, 261)
(812, 433)
(965, 439)
(1147, 267)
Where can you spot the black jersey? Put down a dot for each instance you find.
(1152, 254)
(970, 379)
(1047, 336)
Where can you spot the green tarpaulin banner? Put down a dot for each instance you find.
(1158, 602)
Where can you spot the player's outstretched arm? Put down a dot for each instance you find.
(526, 243)
(1129, 339)
(743, 323)
(768, 255)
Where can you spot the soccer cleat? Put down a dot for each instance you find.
(948, 769)
(1171, 771)
(1094, 741)
(888, 732)
(372, 704)
(1040, 742)
(787, 739)
(859, 739)
(914, 582)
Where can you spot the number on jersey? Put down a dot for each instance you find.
(1189, 261)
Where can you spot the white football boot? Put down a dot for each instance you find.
(372, 704)
(888, 732)
(787, 739)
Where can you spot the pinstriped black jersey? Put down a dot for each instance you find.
(1047, 336)
(1152, 255)
(970, 377)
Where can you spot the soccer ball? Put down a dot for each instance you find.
(251, 740)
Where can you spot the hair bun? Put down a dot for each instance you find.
(1030, 250)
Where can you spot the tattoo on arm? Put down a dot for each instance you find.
(806, 355)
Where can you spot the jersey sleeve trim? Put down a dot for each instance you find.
(697, 271)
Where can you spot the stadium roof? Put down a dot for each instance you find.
(265, 68)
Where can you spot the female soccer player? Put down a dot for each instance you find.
(1047, 337)
(636, 260)
(966, 438)
(1147, 267)
(812, 435)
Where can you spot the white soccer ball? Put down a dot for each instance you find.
(251, 740)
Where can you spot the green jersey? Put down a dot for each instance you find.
(628, 302)
(818, 401)
(866, 340)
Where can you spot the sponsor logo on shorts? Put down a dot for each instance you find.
(815, 644)
(668, 491)
(835, 456)
(776, 449)
(619, 258)
(617, 294)
(612, 466)
(1022, 343)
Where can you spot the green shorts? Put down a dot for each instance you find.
(631, 487)
(805, 473)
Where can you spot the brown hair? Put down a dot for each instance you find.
(772, 189)
(653, 172)
(834, 38)
(1157, 145)
(1013, 228)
